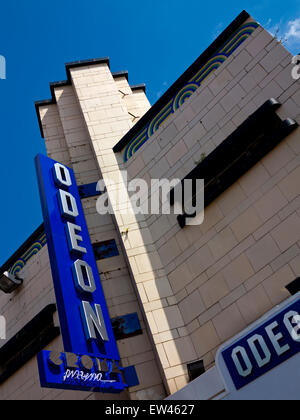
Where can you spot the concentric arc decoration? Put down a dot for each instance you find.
(31, 252)
(187, 91)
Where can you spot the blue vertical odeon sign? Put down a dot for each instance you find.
(84, 318)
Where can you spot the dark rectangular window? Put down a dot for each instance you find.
(106, 249)
(126, 326)
(242, 150)
(29, 341)
(88, 190)
(195, 370)
(294, 287)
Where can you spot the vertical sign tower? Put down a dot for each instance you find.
(83, 313)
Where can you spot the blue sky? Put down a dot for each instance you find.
(155, 40)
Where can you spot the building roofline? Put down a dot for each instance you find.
(85, 63)
(117, 74)
(186, 76)
(68, 82)
(141, 86)
(162, 101)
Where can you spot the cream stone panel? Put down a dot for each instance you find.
(254, 304)
(229, 322)
(231, 199)
(238, 272)
(200, 261)
(234, 250)
(279, 157)
(103, 134)
(168, 318)
(270, 204)
(180, 351)
(275, 285)
(222, 243)
(82, 158)
(287, 233)
(254, 179)
(214, 290)
(205, 339)
(263, 252)
(232, 297)
(295, 265)
(192, 306)
(136, 101)
(180, 277)
(289, 186)
(55, 141)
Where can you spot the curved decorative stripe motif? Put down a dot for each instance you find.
(236, 44)
(183, 95)
(247, 30)
(155, 122)
(148, 131)
(208, 71)
(34, 249)
(31, 252)
(160, 120)
(17, 267)
(137, 140)
(187, 91)
(217, 59)
(139, 144)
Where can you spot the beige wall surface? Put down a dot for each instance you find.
(196, 287)
(67, 141)
(223, 275)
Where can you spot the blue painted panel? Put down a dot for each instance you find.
(126, 326)
(107, 249)
(68, 299)
(88, 190)
(130, 376)
(286, 339)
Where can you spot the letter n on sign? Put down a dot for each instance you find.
(74, 270)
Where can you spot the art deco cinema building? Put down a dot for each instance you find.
(176, 294)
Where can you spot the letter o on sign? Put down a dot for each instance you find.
(87, 362)
(83, 277)
(240, 351)
(62, 176)
(260, 360)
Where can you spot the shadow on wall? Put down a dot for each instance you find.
(156, 294)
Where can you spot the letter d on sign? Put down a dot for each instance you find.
(67, 204)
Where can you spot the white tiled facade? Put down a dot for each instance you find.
(193, 288)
